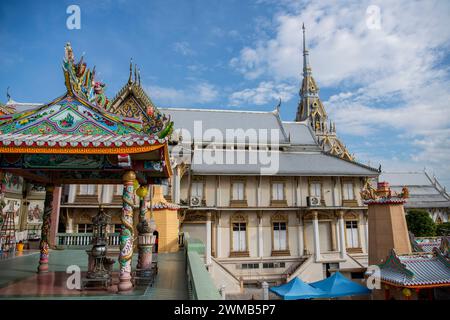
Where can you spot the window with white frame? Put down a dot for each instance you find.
(239, 236)
(315, 189)
(197, 189)
(278, 191)
(279, 236)
(352, 233)
(347, 192)
(88, 189)
(238, 191)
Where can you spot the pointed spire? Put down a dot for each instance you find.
(139, 76)
(8, 96)
(306, 66)
(135, 73)
(130, 80)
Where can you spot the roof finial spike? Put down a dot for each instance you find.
(8, 96)
(139, 76)
(130, 80)
(135, 73)
(306, 67)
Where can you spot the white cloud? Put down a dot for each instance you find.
(387, 80)
(263, 94)
(183, 48)
(198, 93)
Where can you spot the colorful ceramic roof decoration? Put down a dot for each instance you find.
(75, 131)
(162, 205)
(78, 119)
(430, 269)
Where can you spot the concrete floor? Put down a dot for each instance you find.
(19, 280)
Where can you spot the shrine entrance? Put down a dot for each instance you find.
(74, 140)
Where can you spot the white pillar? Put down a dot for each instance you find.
(260, 236)
(72, 193)
(218, 238)
(342, 234)
(316, 236)
(208, 239)
(265, 287)
(176, 187)
(366, 230)
(301, 245)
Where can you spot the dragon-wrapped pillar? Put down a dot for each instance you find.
(126, 234)
(45, 230)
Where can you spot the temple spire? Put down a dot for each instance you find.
(306, 66)
(130, 80)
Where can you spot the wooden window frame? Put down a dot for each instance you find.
(278, 203)
(351, 216)
(320, 181)
(202, 180)
(280, 218)
(350, 202)
(237, 202)
(239, 218)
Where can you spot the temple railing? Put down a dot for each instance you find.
(82, 240)
(200, 283)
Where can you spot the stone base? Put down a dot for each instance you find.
(125, 283)
(43, 267)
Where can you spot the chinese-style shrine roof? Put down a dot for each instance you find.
(78, 122)
(416, 270)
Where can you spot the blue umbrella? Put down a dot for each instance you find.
(339, 286)
(297, 289)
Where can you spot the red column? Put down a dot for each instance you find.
(55, 216)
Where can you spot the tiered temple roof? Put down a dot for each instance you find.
(431, 269)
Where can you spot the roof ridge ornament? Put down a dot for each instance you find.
(130, 79)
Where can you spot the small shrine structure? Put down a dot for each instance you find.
(74, 139)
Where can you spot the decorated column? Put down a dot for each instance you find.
(145, 236)
(46, 223)
(126, 233)
(316, 236)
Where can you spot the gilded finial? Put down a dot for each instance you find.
(131, 70)
(139, 76)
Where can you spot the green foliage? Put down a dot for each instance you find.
(443, 229)
(420, 223)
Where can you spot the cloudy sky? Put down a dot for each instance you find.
(382, 66)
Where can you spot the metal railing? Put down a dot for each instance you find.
(82, 240)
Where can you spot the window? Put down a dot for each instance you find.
(88, 189)
(347, 192)
(84, 228)
(250, 266)
(315, 189)
(238, 191)
(271, 265)
(277, 191)
(239, 236)
(352, 234)
(279, 236)
(197, 189)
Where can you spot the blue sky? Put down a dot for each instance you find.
(387, 88)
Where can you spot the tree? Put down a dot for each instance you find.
(420, 223)
(443, 229)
